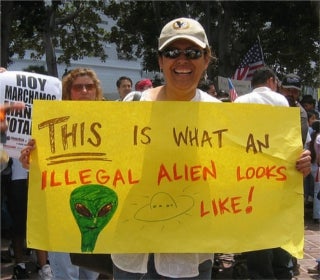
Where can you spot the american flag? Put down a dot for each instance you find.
(232, 91)
(250, 63)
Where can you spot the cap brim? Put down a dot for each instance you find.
(298, 88)
(186, 37)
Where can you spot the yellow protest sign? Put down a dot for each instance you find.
(128, 177)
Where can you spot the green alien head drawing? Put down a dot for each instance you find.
(93, 207)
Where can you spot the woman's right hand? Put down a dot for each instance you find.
(4, 108)
(25, 153)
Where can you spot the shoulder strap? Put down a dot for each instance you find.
(137, 96)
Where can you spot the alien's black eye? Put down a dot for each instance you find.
(82, 210)
(105, 210)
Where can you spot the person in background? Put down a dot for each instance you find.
(124, 86)
(17, 195)
(274, 263)
(4, 108)
(308, 183)
(223, 96)
(80, 84)
(264, 85)
(308, 102)
(143, 85)
(313, 115)
(291, 89)
(315, 158)
(208, 87)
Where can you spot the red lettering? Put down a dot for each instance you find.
(235, 203)
(43, 180)
(130, 178)
(163, 173)
(118, 177)
(86, 176)
(283, 176)
(214, 208)
(222, 205)
(66, 178)
(194, 173)
(262, 172)
(202, 212)
(53, 183)
(175, 173)
(227, 205)
(83, 175)
(186, 172)
(212, 172)
(101, 177)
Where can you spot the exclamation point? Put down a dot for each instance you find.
(249, 208)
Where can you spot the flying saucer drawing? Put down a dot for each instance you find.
(164, 206)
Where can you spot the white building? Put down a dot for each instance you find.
(108, 71)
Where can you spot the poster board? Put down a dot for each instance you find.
(133, 177)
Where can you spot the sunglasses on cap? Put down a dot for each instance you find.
(190, 54)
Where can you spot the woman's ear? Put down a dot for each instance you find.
(207, 61)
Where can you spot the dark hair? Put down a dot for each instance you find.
(311, 113)
(308, 99)
(205, 85)
(123, 78)
(261, 76)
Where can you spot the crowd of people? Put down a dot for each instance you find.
(184, 55)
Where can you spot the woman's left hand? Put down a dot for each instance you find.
(303, 164)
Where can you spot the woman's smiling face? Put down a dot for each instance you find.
(181, 72)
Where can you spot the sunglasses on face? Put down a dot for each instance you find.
(190, 54)
(79, 87)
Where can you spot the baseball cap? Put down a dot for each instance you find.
(291, 81)
(142, 84)
(183, 28)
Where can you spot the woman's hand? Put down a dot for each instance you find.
(4, 108)
(25, 153)
(303, 164)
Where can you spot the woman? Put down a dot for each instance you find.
(80, 84)
(184, 55)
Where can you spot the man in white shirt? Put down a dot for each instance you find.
(274, 263)
(264, 85)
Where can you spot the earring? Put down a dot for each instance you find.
(205, 76)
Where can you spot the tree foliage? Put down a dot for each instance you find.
(289, 32)
(72, 26)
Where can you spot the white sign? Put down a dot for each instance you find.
(242, 87)
(20, 86)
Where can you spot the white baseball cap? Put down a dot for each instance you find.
(183, 28)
